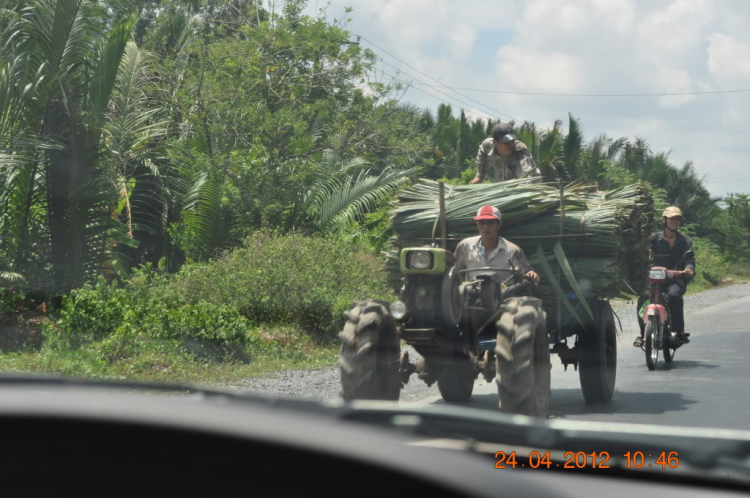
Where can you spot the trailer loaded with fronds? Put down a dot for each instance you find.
(602, 235)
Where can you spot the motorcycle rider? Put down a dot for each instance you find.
(489, 249)
(505, 155)
(668, 249)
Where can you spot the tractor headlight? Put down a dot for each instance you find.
(658, 274)
(398, 310)
(420, 260)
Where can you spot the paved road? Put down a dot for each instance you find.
(707, 385)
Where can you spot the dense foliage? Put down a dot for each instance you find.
(242, 308)
(168, 137)
(216, 305)
(160, 134)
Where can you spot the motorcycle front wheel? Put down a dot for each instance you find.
(669, 351)
(652, 352)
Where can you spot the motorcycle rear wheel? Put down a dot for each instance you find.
(652, 353)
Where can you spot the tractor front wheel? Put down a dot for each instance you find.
(456, 383)
(523, 358)
(369, 356)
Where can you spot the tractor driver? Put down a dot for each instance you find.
(489, 249)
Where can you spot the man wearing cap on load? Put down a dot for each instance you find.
(668, 249)
(506, 156)
(489, 249)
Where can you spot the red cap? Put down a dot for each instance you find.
(488, 213)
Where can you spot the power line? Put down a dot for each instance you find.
(435, 88)
(486, 116)
(435, 96)
(726, 179)
(534, 94)
(433, 79)
(449, 96)
(540, 94)
(738, 183)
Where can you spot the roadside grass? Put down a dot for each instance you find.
(276, 303)
(284, 348)
(737, 274)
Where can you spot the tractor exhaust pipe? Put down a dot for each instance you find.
(443, 229)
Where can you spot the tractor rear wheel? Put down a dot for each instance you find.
(598, 362)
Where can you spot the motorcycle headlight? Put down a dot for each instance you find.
(398, 310)
(658, 274)
(419, 260)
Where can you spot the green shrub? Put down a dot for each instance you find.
(88, 314)
(711, 264)
(741, 269)
(308, 281)
(123, 320)
(210, 309)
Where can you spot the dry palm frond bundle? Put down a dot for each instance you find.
(605, 234)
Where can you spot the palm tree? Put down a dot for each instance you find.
(738, 206)
(546, 147)
(599, 152)
(75, 60)
(332, 203)
(572, 151)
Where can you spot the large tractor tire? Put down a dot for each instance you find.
(598, 361)
(523, 358)
(370, 353)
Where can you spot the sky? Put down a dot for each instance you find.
(484, 47)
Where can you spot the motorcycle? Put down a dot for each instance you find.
(658, 334)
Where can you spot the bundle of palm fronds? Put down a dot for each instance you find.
(604, 234)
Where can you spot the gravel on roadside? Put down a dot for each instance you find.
(323, 384)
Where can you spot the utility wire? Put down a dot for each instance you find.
(724, 179)
(535, 94)
(434, 87)
(485, 115)
(738, 183)
(433, 79)
(410, 86)
(666, 94)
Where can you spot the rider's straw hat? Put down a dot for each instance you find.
(671, 212)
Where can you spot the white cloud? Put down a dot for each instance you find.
(728, 58)
(584, 46)
(670, 80)
(568, 16)
(462, 41)
(673, 35)
(533, 71)
(735, 118)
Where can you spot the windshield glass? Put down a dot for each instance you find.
(539, 208)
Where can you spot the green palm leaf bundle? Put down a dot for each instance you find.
(605, 233)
